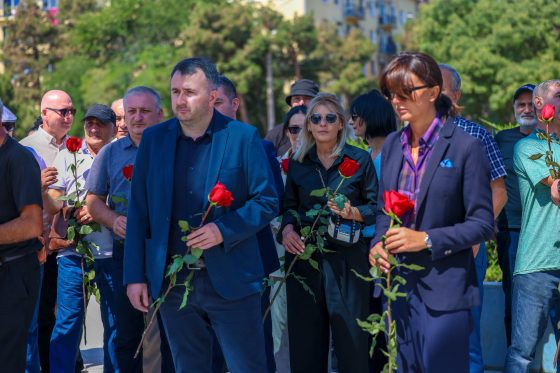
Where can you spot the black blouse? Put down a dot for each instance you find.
(302, 178)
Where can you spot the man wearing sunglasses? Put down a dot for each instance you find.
(57, 113)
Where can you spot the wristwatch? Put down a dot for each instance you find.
(428, 242)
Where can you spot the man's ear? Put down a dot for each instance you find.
(539, 102)
(235, 103)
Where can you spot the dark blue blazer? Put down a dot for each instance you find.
(454, 206)
(265, 238)
(237, 160)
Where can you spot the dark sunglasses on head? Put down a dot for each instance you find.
(9, 126)
(63, 112)
(294, 130)
(330, 118)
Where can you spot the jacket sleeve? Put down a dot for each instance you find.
(261, 205)
(382, 221)
(368, 189)
(478, 225)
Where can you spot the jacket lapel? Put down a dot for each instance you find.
(219, 142)
(168, 164)
(439, 151)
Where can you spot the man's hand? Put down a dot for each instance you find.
(292, 241)
(205, 237)
(554, 192)
(48, 177)
(119, 226)
(82, 215)
(382, 261)
(138, 296)
(405, 240)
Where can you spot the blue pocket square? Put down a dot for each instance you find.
(446, 163)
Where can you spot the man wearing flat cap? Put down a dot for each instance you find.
(99, 129)
(301, 93)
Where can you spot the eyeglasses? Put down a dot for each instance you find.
(407, 91)
(330, 118)
(63, 112)
(9, 126)
(294, 130)
(354, 117)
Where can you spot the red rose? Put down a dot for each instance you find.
(348, 167)
(220, 196)
(284, 163)
(547, 113)
(397, 203)
(73, 144)
(127, 172)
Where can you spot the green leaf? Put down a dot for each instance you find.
(189, 259)
(306, 287)
(196, 252)
(71, 233)
(340, 200)
(295, 214)
(314, 263)
(85, 230)
(317, 206)
(368, 279)
(393, 260)
(534, 157)
(175, 266)
(411, 266)
(318, 192)
(305, 231)
(308, 251)
(91, 275)
(400, 280)
(375, 272)
(390, 295)
(184, 238)
(184, 226)
(312, 213)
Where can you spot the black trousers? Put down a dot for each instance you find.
(19, 285)
(340, 298)
(47, 306)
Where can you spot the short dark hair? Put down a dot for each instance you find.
(397, 79)
(188, 66)
(302, 109)
(229, 87)
(376, 112)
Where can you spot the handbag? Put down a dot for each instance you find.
(59, 230)
(342, 231)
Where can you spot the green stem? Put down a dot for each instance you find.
(389, 317)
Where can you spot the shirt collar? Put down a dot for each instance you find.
(50, 139)
(543, 133)
(126, 142)
(429, 137)
(209, 131)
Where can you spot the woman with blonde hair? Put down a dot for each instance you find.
(339, 296)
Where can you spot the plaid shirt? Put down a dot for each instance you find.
(497, 166)
(412, 174)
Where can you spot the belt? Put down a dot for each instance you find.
(11, 258)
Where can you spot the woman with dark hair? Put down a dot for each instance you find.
(373, 119)
(445, 172)
(339, 296)
(293, 124)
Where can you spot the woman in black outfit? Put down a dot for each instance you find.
(340, 297)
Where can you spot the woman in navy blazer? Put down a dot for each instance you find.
(444, 171)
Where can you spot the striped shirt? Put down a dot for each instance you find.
(497, 166)
(412, 174)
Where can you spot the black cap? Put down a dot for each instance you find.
(103, 113)
(524, 88)
(302, 87)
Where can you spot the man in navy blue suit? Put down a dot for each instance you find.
(178, 163)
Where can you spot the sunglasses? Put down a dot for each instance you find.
(355, 117)
(9, 126)
(294, 130)
(63, 112)
(330, 118)
(407, 91)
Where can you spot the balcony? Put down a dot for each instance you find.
(387, 22)
(353, 13)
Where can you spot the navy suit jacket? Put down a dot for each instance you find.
(265, 237)
(237, 160)
(454, 206)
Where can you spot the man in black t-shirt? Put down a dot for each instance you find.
(20, 225)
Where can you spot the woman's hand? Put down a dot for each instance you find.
(347, 212)
(292, 241)
(382, 258)
(405, 240)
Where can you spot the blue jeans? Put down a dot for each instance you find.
(535, 296)
(507, 241)
(32, 361)
(476, 365)
(237, 324)
(65, 339)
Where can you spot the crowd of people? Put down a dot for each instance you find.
(467, 187)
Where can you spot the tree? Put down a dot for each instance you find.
(496, 46)
(27, 52)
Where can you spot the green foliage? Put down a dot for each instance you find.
(493, 272)
(496, 46)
